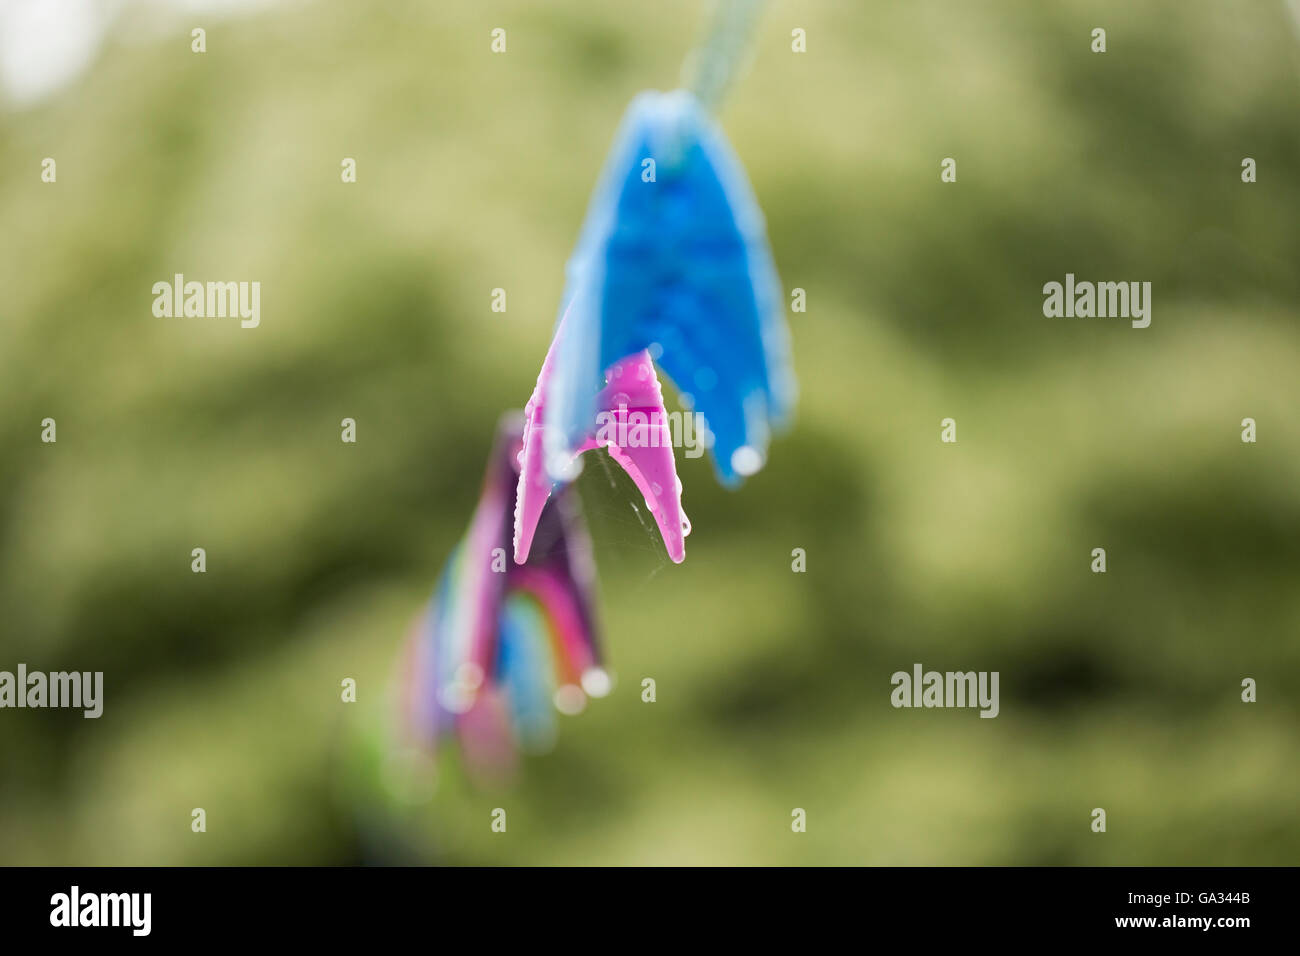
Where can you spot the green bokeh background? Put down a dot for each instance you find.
(1119, 690)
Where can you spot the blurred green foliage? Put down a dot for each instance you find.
(222, 690)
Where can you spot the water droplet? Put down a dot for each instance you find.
(570, 699)
(746, 460)
(596, 682)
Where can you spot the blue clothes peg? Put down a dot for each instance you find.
(673, 258)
